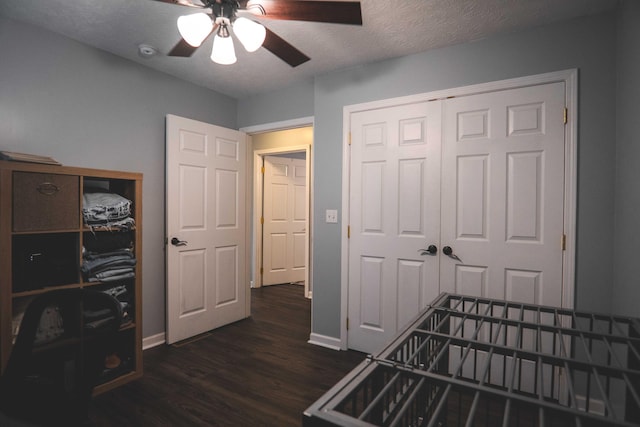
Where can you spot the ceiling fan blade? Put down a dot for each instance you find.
(334, 12)
(183, 49)
(283, 50)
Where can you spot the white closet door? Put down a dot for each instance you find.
(502, 215)
(503, 194)
(481, 175)
(394, 213)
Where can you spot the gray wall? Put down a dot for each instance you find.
(294, 102)
(587, 44)
(88, 108)
(626, 292)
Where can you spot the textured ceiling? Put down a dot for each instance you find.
(391, 28)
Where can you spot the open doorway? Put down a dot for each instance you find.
(292, 146)
(285, 201)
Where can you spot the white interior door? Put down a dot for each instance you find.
(485, 178)
(206, 173)
(285, 220)
(394, 213)
(503, 194)
(502, 211)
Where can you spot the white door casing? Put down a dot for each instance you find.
(256, 237)
(206, 175)
(521, 119)
(395, 208)
(285, 220)
(257, 212)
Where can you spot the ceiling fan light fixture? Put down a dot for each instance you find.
(223, 52)
(223, 30)
(195, 28)
(250, 33)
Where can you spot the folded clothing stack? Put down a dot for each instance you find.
(107, 256)
(103, 209)
(109, 266)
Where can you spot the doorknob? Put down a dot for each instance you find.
(177, 242)
(431, 250)
(449, 252)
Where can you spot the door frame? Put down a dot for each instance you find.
(254, 238)
(258, 198)
(569, 77)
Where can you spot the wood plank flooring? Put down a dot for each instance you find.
(257, 372)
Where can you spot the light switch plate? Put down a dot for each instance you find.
(331, 216)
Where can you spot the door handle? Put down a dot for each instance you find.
(430, 250)
(449, 252)
(177, 242)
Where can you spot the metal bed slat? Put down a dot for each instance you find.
(596, 378)
(407, 404)
(513, 323)
(541, 417)
(625, 377)
(472, 410)
(437, 379)
(572, 393)
(632, 347)
(603, 394)
(548, 358)
(569, 331)
(476, 397)
(441, 404)
(507, 413)
(540, 385)
(367, 410)
(563, 311)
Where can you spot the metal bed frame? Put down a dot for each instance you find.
(468, 361)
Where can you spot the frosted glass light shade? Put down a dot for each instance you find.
(223, 52)
(195, 28)
(250, 33)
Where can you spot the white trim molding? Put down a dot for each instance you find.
(325, 341)
(275, 126)
(153, 341)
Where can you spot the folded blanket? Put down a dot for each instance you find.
(91, 267)
(103, 208)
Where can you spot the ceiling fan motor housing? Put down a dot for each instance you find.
(224, 8)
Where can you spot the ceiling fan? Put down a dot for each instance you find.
(220, 16)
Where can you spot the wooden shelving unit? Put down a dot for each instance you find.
(41, 206)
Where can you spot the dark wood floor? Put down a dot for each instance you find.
(257, 372)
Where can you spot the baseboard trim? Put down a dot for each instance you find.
(315, 339)
(153, 341)
(324, 341)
